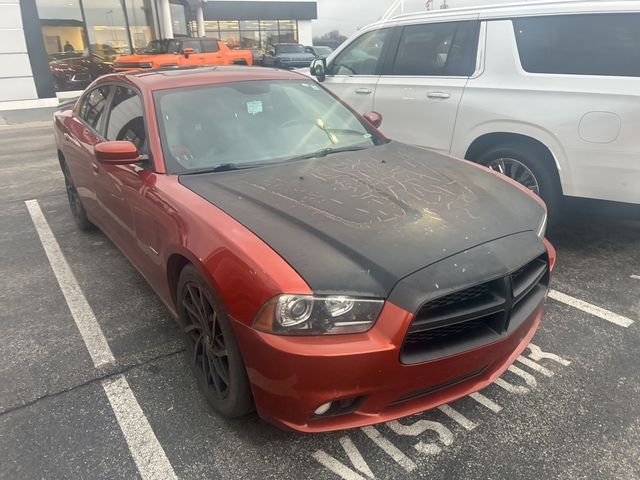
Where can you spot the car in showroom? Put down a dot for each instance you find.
(75, 71)
(183, 52)
(546, 93)
(287, 55)
(322, 274)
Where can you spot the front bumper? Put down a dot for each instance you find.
(292, 376)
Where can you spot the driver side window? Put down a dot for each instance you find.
(362, 56)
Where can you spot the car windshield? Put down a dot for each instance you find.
(156, 47)
(289, 49)
(253, 123)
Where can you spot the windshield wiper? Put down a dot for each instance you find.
(223, 167)
(326, 151)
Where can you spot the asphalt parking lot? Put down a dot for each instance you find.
(567, 409)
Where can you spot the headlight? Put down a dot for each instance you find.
(311, 315)
(542, 229)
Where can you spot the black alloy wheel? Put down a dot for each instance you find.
(77, 209)
(212, 350)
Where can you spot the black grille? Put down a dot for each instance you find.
(476, 315)
(439, 333)
(466, 295)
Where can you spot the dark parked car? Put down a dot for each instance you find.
(76, 72)
(319, 51)
(258, 55)
(288, 55)
(326, 275)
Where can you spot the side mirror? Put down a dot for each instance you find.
(117, 153)
(187, 51)
(319, 69)
(374, 118)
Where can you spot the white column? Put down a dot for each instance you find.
(200, 20)
(165, 19)
(305, 32)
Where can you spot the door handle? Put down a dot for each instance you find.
(364, 91)
(440, 95)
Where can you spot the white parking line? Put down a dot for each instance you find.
(145, 449)
(457, 417)
(390, 449)
(355, 456)
(482, 400)
(80, 310)
(147, 453)
(635, 277)
(535, 366)
(591, 309)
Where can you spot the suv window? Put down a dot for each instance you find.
(195, 44)
(210, 46)
(93, 104)
(607, 44)
(362, 56)
(437, 49)
(125, 120)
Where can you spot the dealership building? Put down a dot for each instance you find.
(35, 33)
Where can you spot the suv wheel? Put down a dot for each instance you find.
(212, 350)
(529, 167)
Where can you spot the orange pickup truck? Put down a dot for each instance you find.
(183, 52)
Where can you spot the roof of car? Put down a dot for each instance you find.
(522, 8)
(165, 78)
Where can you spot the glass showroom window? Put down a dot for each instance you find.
(62, 28)
(261, 34)
(250, 34)
(179, 18)
(230, 32)
(288, 31)
(107, 28)
(140, 16)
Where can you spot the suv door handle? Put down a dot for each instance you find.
(364, 91)
(442, 95)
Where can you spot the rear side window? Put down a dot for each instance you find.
(607, 44)
(194, 44)
(210, 46)
(126, 121)
(93, 105)
(437, 49)
(361, 57)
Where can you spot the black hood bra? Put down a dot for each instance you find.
(358, 222)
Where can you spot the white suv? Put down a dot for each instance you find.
(547, 93)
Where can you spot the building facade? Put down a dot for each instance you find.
(50, 46)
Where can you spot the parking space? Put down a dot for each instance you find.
(567, 408)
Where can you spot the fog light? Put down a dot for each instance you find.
(322, 409)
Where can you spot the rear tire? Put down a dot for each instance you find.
(530, 167)
(75, 204)
(212, 349)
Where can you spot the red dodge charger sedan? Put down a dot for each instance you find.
(322, 274)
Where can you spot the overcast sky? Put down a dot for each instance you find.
(348, 15)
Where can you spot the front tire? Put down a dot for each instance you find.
(212, 349)
(530, 167)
